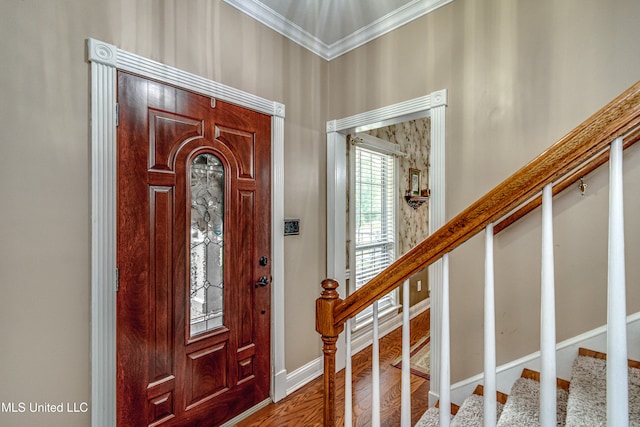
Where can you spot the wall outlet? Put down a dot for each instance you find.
(419, 285)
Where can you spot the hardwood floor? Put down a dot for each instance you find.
(303, 408)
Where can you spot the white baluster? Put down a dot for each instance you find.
(547, 316)
(375, 372)
(405, 413)
(435, 296)
(490, 415)
(348, 394)
(617, 370)
(445, 362)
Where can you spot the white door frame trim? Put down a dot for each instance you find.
(105, 60)
(433, 105)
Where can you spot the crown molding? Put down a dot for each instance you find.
(278, 23)
(272, 19)
(384, 25)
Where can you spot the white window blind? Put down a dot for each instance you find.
(374, 219)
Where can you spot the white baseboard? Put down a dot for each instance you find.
(433, 398)
(312, 370)
(280, 386)
(304, 374)
(507, 374)
(566, 352)
(245, 414)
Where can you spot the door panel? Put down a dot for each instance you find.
(206, 373)
(161, 353)
(242, 144)
(170, 372)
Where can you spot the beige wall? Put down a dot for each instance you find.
(45, 173)
(520, 75)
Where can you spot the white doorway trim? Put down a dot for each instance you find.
(432, 105)
(105, 60)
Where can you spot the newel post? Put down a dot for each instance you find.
(329, 331)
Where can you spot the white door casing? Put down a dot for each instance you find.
(105, 60)
(433, 105)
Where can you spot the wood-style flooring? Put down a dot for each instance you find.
(303, 408)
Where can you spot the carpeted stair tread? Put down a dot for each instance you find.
(471, 412)
(523, 406)
(587, 403)
(431, 418)
(583, 404)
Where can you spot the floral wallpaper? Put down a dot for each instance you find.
(414, 139)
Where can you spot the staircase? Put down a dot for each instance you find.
(598, 140)
(580, 402)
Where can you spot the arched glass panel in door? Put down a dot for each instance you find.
(207, 244)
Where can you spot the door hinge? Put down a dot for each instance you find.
(117, 114)
(117, 279)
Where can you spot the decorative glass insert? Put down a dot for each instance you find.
(207, 243)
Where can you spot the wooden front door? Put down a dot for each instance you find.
(193, 255)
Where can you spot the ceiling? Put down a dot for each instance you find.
(330, 28)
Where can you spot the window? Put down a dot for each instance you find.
(372, 221)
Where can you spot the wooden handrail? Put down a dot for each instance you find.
(615, 119)
(592, 165)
